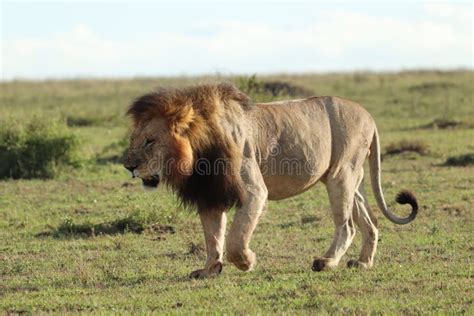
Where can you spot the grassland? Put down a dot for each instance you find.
(61, 249)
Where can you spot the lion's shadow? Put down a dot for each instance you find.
(69, 229)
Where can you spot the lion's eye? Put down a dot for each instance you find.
(149, 142)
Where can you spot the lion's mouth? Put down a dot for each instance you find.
(151, 182)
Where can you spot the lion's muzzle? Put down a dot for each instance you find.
(151, 182)
(130, 168)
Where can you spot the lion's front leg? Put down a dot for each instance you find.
(246, 218)
(213, 223)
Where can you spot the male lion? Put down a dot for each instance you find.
(217, 150)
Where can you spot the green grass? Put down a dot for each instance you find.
(51, 261)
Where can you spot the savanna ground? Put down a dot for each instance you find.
(91, 240)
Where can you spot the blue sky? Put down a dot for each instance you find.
(135, 38)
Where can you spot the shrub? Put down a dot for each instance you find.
(460, 161)
(262, 90)
(444, 123)
(36, 149)
(282, 88)
(407, 146)
(250, 84)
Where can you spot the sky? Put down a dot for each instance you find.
(58, 39)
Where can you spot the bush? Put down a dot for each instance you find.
(444, 123)
(250, 84)
(263, 91)
(36, 149)
(416, 146)
(282, 88)
(460, 161)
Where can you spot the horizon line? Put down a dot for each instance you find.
(243, 74)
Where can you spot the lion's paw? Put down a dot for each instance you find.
(244, 260)
(206, 273)
(323, 264)
(357, 264)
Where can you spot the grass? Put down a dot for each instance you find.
(72, 120)
(68, 244)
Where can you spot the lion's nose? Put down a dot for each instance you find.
(131, 167)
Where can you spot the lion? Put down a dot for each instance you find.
(217, 149)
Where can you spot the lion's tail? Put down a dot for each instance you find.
(403, 197)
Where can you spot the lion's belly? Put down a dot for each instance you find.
(281, 187)
(294, 148)
(290, 175)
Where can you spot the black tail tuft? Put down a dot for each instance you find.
(408, 197)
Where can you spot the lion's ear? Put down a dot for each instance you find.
(182, 119)
(229, 91)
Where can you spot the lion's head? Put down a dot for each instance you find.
(176, 131)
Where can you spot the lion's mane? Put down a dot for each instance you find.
(194, 119)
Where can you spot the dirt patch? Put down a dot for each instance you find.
(453, 210)
(309, 219)
(195, 249)
(163, 229)
(304, 220)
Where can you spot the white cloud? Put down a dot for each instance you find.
(448, 10)
(335, 41)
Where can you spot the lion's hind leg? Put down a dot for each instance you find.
(341, 187)
(366, 222)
